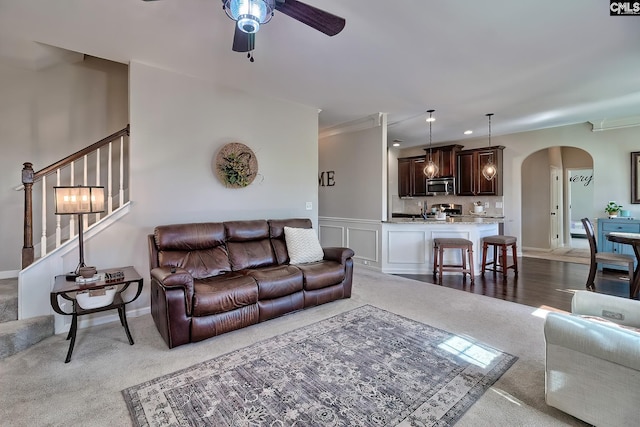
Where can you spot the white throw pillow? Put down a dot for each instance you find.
(303, 245)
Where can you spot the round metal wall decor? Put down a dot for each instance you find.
(236, 165)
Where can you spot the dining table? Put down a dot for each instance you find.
(632, 239)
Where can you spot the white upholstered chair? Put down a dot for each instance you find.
(592, 365)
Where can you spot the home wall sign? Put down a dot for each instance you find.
(584, 179)
(327, 179)
(236, 165)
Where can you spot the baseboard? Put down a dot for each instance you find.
(9, 274)
(88, 321)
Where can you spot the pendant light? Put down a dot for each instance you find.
(431, 169)
(489, 170)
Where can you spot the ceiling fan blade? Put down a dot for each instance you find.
(243, 42)
(315, 18)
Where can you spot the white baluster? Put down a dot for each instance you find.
(97, 176)
(72, 218)
(85, 217)
(58, 217)
(43, 239)
(109, 179)
(121, 171)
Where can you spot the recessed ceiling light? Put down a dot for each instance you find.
(468, 132)
(396, 144)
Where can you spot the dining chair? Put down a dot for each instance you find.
(604, 257)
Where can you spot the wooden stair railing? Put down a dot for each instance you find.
(66, 166)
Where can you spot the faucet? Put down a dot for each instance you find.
(423, 211)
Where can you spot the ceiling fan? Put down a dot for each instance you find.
(250, 14)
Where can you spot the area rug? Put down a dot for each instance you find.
(365, 367)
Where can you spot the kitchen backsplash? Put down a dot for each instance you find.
(493, 205)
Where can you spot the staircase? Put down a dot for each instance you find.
(17, 335)
(100, 164)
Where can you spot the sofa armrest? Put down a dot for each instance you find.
(171, 278)
(597, 339)
(619, 310)
(337, 254)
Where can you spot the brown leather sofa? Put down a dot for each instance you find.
(212, 278)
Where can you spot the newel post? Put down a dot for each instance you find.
(27, 248)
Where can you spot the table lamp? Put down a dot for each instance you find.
(79, 200)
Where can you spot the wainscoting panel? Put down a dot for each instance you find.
(361, 235)
(409, 247)
(331, 235)
(364, 242)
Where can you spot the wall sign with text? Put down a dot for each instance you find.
(327, 179)
(620, 8)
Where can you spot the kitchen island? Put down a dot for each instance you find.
(407, 243)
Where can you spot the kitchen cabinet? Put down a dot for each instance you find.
(445, 158)
(469, 178)
(618, 225)
(411, 179)
(407, 247)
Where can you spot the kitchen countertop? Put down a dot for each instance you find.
(462, 219)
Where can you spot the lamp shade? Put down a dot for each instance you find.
(79, 200)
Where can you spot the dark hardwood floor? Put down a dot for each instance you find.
(540, 282)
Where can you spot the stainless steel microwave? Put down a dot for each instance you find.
(441, 186)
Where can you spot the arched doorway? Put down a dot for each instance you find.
(557, 185)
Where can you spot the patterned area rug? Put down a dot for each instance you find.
(365, 367)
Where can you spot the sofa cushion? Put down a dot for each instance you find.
(189, 237)
(198, 248)
(277, 281)
(248, 244)
(323, 274)
(303, 245)
(223, 293)
(276, 232)
(199, 263)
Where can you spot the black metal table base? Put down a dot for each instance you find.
(74, 329)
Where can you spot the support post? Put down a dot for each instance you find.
(27, 248)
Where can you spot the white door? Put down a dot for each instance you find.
(580, 200)
(555, 221)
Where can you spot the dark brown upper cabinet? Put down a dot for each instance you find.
(469, 178)
(445, 157)
(411, 178)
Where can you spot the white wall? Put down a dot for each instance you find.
(357, 160)
(350, 212)
(178, 124)
(45, 115)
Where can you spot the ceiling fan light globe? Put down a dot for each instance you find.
(250, 13)
(249, 24)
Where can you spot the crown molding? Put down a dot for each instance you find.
(369, 122)
(609, 124)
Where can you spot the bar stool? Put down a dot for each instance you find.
(442, 243)
(499, 264)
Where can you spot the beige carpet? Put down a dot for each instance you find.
(39, 389)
